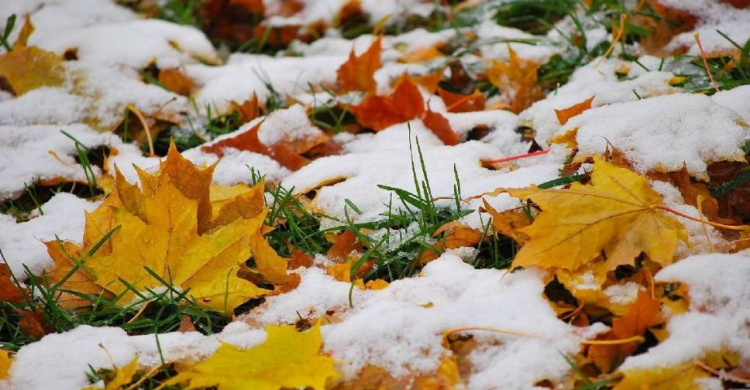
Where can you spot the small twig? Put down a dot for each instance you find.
(705, 61)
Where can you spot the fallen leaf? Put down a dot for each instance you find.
(440, 126)
(682, 377)
(28, 68)
(5, 363)
(462, 103)
(358, 72)
(32, 323)
(455, 235)
(345, 243)
(642, 314)
(508, 222)
(516, 80)
(166, 217)
(248, 110)
(618, 214)
(176, 81)
(232, 19)
(378, 112)
(9, 290)
(287, 359)
(422, 55)
(564, 115)
(428, 81)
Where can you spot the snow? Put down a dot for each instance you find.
(663, 133)
(291, 124)
(400, 327)
(246, 74)
(23, 243)
(718, 317)
(385, 159)
(28, 154)
(135, 44)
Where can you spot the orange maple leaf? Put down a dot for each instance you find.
(286, 153)
(564, 115)
(440, 126)
(403, 104)
(642, 314)
(9, 290)
(516, 80)
(357, 73)
(462, 103)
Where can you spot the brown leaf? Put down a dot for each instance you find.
(233, 20)
(455, 235)
(32, 323)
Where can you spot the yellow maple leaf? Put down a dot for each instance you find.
(287, 359)
(165, 232)
(682, 377)
(119, 377)
(516, 80)
(619, 215)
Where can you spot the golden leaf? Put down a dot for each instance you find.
(682, 377)
(5, 363)
(159, 229)
(29, 68)
(516, 79)
(119, 377)
(564, 115)
(618, 214)
(287, 359)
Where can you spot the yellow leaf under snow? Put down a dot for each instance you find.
(681, 377)
(287, 359)
(119, 377)
(29, 68)
(618, 214)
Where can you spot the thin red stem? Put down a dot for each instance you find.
(705, 61)
(516, 157)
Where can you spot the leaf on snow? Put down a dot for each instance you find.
(357, 73)
(287, 359)
(618, 214)
(403, 104)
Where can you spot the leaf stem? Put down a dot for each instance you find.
(634, 339)
(516, 157)
(714, 224)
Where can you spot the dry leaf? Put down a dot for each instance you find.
(5, 363)
(9, 290)
(28, 68)
(618, 214)
(440, 126)
(248, 110)
(287, 359)
(378, 112)
(462, 103)
(119, 377)
(176, 81)
(455, 235)
(287, 152)
(428, 81)
(516, 80)
(642, 314)
(564, 115)
(508, 222)
(357, 73)
(165, 219)
(344, 244)
(682, 377)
